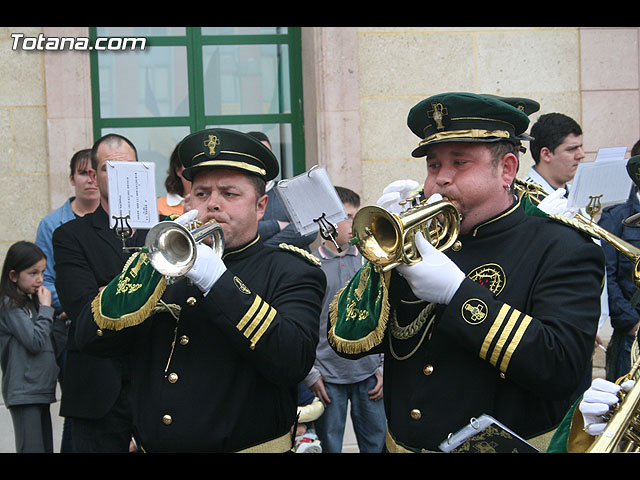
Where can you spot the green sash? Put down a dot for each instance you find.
(131, 296)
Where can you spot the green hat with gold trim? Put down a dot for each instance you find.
(527, 105)
(465, 117)
(225, 148)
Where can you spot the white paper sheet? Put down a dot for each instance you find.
(307, 197)
(611, 153)
(132, 192)
(605, 178)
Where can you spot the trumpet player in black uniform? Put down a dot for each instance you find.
(503, 322)
(217, 355)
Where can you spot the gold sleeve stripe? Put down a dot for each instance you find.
(514, 343)
(502, 334)
(263, 328)
(497, 323)
(503, 337)
(250, 313)
(258, 318)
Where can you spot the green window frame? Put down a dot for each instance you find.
(195, 42)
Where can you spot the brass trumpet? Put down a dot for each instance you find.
(171, 246)
(536, 194)
(386, 239)
(622, 433)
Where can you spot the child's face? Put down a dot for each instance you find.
(29, 279)
(345, 233)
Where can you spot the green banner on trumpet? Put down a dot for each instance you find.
(131, 296)
(359, 312)
(530, 207)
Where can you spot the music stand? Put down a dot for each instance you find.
(132, 198)
(312, 203)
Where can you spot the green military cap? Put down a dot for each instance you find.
(465, 117)
(527, 105)
(225, 148)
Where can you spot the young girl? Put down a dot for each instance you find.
(27, 347)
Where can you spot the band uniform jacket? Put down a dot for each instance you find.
(513, 343)
(88, 254)
(223, 377)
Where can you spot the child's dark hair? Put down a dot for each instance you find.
(20, 256)
(347, 195)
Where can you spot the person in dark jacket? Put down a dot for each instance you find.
(624, 316)
(88, 254)
(504, 322)
(217, 356)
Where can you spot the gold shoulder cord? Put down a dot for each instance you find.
(301, 252)
(174, 311)
(404, 333)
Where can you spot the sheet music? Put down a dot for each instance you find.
(611, 153)
(132, 191)
(608, 178)
(307, 197)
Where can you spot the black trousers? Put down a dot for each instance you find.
(109, 434)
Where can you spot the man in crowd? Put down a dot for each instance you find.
(216, 364)
(504, 322)
(88, 255)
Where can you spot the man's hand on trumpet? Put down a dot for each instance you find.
(436, 278)
(208, 267)
(397, 192)
(597, 401)
(556, 203)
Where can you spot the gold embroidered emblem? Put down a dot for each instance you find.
(212, 143)
(355, 313)
(438, 113)
(125, 286)
(241, 286)
(364, 279)
(491, 276)
(474, 311)
(142, 259)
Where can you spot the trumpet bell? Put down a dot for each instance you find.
(386, 239)
(172, 248)
(378, 233)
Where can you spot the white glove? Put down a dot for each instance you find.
(187, 217)
(396, 192)
(436, 278)
(207, 268)
(597, 401)
(556, 203)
